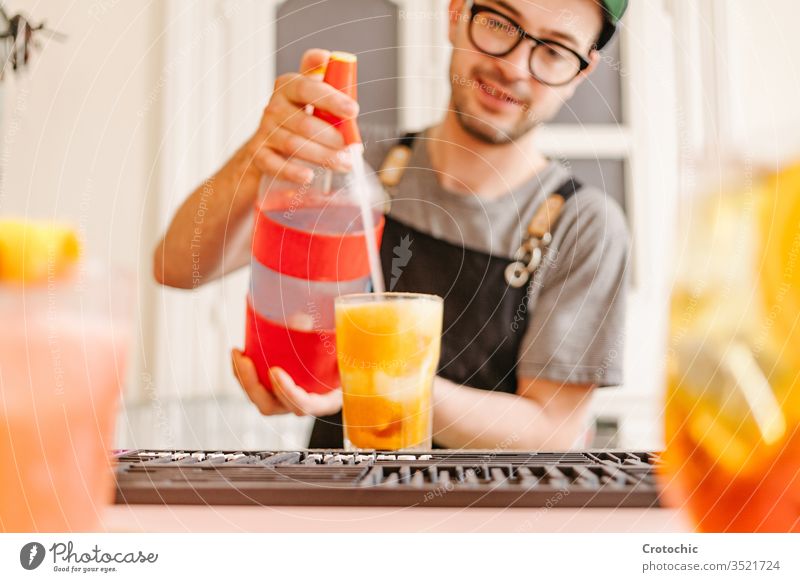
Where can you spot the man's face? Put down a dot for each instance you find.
(495, 98)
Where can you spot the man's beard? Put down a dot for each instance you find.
(484, 130)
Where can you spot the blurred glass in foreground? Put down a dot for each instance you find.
(732, 408)
(63, 344)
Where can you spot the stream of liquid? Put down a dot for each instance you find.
(361, 188)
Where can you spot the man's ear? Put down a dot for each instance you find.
(456, 14)
(594, 59)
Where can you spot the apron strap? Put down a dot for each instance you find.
(539, 235)
(396, 162)
(546, 216)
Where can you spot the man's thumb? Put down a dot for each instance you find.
(279, 378)
(312, 59)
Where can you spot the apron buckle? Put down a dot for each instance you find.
(516, 274)
(525, 263)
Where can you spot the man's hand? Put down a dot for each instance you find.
(288, 133)
(193, 252)
(286, 396)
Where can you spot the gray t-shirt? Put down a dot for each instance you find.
(576, 307)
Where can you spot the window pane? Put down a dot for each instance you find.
(607, 175)
(599, 97)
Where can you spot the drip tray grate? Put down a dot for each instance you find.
(438, 478)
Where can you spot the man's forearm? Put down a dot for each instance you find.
(466, 417)
(192, 250)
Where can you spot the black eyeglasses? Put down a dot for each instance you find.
(495, 34)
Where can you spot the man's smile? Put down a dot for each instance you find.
(495, 98)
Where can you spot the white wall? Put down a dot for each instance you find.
(740, 80)
(762, 48)
(74, 144)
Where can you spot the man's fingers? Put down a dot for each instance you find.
(301, 402)
(312, 59)
(304, 91)
(283, 113)
(271, 163)
(329, 402)
(295, 146)
(298, 121)
(285, 390)
(245, 372)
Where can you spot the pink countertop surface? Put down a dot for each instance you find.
(188, 518)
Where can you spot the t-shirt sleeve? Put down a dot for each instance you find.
(576, 320)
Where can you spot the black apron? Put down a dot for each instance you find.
(484, 318)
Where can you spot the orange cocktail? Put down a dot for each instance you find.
(732, 409)
(60, 382)
(732, 459)
(63, 342)
(388, 349)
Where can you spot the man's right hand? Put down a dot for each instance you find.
(286, 396)
(287, 133)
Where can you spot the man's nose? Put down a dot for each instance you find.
(515, 65)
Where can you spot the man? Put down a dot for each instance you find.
(519, 361)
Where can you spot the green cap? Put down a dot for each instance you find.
(613, 9)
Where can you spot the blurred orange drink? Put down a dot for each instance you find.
(732, 414)
(388, 347)
(62, 356)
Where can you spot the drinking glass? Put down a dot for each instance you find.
(732, 409)
(388, 347)
(63, 349)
